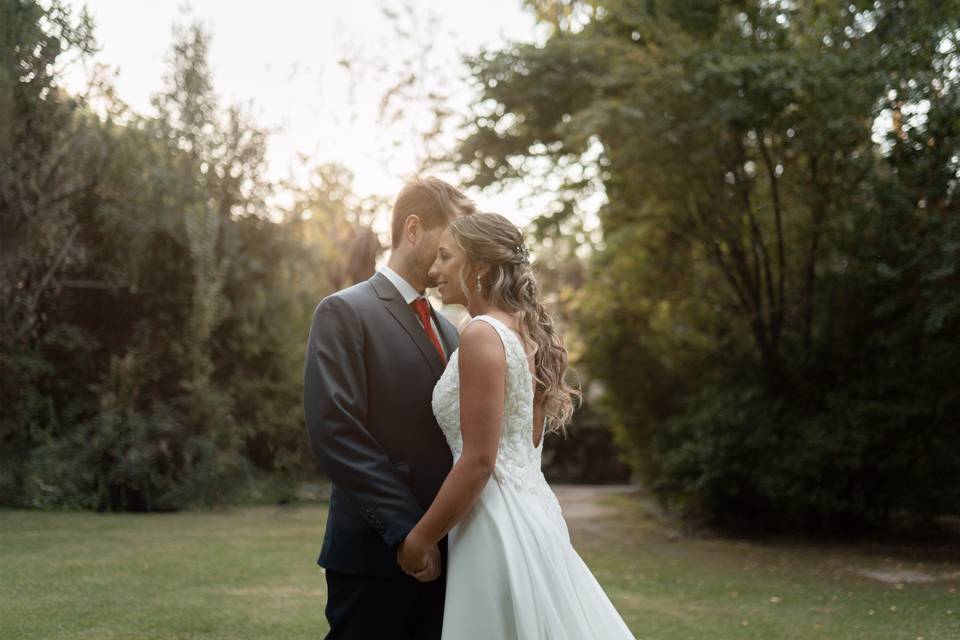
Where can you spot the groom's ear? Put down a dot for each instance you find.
(412, 227)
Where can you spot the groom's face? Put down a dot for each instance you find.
(425, 252)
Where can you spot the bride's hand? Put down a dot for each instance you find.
(418, 560)
(432, 569)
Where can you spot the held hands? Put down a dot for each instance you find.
(418, 559)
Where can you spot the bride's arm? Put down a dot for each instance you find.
(483, 373)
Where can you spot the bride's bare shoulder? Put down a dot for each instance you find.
(481, 346)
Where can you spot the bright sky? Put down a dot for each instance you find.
(282, 59)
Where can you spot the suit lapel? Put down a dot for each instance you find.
(403, 314)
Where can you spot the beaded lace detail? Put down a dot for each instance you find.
(518, 461)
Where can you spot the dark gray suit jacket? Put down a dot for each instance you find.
(369, 374)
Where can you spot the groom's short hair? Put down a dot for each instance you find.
(434, 201)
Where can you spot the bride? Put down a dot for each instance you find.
(512, 571)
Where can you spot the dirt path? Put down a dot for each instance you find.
(588, 513)
(583, 506)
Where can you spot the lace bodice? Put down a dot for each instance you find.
(518, 461)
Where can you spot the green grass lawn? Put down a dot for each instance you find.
(720, 588)
(250, 573)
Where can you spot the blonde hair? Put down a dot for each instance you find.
(490, 238)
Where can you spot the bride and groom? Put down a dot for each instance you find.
(441, 524)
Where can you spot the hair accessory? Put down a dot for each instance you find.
(523, 253)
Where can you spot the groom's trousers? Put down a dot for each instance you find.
(390, 607)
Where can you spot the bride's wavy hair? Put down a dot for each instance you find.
(490, 238)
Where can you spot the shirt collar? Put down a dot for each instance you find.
(405, 288)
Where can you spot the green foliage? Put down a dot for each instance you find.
(153, 308)
(773, 306)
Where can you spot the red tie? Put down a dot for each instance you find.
(422, 309)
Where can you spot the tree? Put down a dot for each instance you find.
(152, 303)
(743, 183)
(52, 157)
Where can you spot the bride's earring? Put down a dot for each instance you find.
(479, 288)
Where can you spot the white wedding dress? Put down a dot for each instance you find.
(512, 572)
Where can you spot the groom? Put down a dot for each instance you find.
(374, 354)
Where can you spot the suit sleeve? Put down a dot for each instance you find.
(335, 404)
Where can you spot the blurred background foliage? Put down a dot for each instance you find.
(765, 311)
(774, 309)
(153, 314)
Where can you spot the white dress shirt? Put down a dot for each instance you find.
(409, 295)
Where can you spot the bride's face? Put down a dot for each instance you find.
(447, 268)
